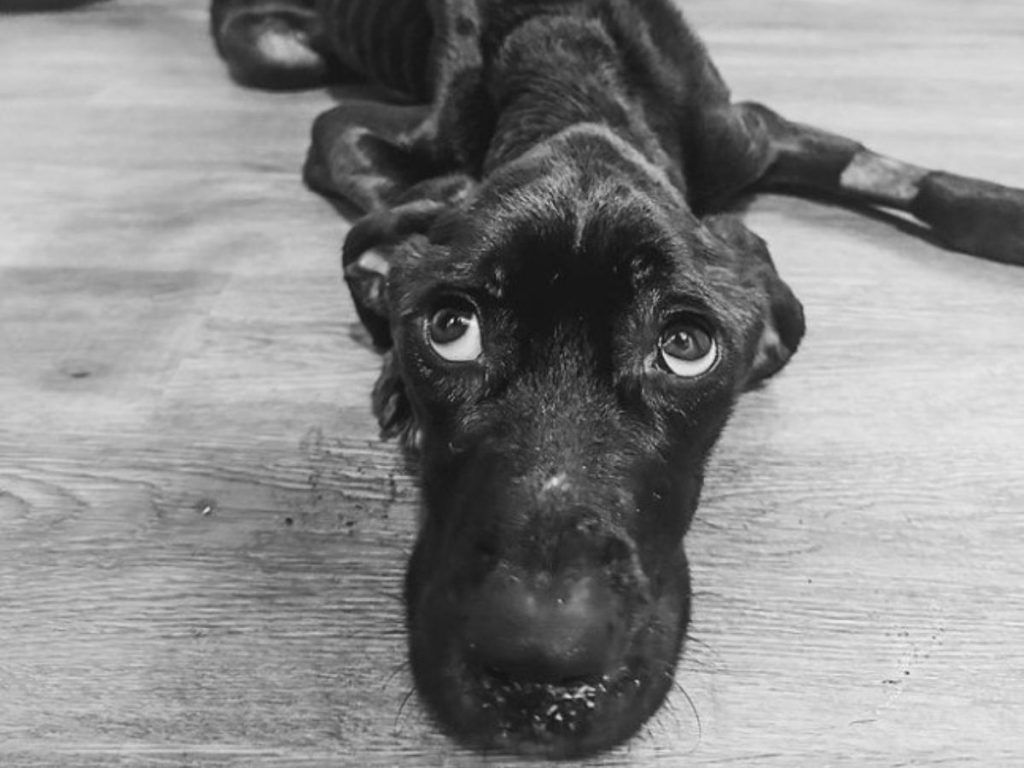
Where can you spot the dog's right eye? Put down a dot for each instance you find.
(687, 348)
(454, 332)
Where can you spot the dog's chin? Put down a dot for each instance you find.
(572, 719)
(490, 710)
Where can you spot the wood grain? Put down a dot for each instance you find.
(202, 541)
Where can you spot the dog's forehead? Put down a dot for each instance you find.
(612, 247)
(565, 260)
(582, 222)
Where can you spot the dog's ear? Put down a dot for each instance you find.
(367, 279)
(380, 237)
(779, 327)
(375, 242)
(370, 274)
(378, 243)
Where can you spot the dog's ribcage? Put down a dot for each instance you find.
(386, 41)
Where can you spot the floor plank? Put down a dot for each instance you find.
(202, 540)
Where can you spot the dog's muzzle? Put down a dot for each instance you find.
(560, 622)
(542, 636)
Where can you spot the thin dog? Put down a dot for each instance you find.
(567, 316)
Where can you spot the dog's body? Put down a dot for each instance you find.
(566, 318)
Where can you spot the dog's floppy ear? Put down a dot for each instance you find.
(373, 244)
(368, 272)
(776, 334)
(366, 276)
(376, 244)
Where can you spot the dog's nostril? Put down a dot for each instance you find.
(615, 551)
(561, 629)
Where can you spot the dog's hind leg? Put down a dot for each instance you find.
(451, 134)
(273, 44)
(970, 215)
(369, 153)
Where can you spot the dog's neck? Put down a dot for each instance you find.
(539, 88)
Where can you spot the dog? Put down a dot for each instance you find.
(567, 314)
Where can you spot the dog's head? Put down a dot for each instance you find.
(564, 349)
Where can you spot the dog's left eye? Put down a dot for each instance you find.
(687, 348)
(454, 332)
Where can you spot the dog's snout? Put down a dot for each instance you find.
(545, 629)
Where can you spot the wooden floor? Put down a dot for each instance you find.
(202, 540)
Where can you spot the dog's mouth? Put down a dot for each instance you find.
(539, 708)
(520, 711)
(563, 719)
(491, 710)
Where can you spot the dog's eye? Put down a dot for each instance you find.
(686, 348)
(454, 332)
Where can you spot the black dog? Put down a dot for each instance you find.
(566, 319)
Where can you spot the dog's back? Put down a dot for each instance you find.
(389, 43)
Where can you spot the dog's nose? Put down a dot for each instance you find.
(546, 629)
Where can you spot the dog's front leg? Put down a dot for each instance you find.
(970, 215)
(273, 44)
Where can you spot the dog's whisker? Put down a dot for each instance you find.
(396, 669)
(689, 661)
(670, 708)
(401, 708)
(696, 714)
(700, 642)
